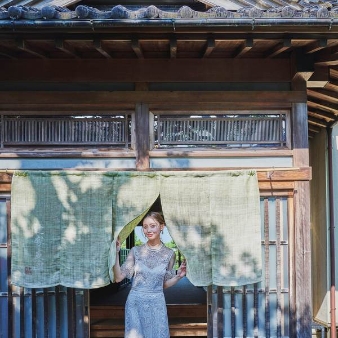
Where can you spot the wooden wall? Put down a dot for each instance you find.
(319, 228)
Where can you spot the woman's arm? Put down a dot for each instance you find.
(181, 272)
(120, 274)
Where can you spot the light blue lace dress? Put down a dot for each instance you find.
(146, 311)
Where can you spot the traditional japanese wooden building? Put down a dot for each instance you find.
(180, 85)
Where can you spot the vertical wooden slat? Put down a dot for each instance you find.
(2, 134)
(292, 276)
(71, 312)
(142, 136)
(57, 311)
(9, 259)
(256, 323)
(220, 316)
(22, 313)
(245, 313)
(267, 267)
(279, 273)
(34, 316)
(45, 311)
(86, 319)
(233, 313)
(209, 312)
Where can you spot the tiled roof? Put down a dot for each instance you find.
(231, 9)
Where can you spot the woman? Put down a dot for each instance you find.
(151, 266)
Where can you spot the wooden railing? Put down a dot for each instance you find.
(230, 130)
(64, 131)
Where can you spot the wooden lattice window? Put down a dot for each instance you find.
(229, 129)
(64, 130)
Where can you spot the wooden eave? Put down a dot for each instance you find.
(39, 44)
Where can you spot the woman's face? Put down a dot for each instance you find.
(151, 228)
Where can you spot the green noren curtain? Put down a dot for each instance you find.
(214, 218)
(63, 224)
(59, 220)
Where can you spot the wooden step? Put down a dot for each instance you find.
(179, 310)
(185, 320)
(111, 329)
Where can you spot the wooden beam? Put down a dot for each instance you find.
(317, 122)
(313, 104)
(210, 46)
(77, 99)
(135, 45)
(142, 136)
(334, 73)
(24, 46)
(332, 87)
(145, 70)
(244, 48)
(319, 78)
(321, 115)
(323, 95)
(331, 60)
(301, 309)
(67, 49)
(8, 53)
(100, 49)
(314, 128)
(316, 46)
(173, 48)
(279, 48)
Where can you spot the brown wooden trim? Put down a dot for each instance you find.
(147, 70)
(269, 180)
(278, 152)
(79, 99)
(142, 136)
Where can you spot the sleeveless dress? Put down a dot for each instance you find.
(146, 310)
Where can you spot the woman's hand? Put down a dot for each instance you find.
(182, 270)
(118, 244)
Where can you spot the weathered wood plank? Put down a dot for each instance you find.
(80, 98)
(302, 240)
(154, 70)
(142, 136)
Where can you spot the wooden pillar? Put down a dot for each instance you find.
(142, 136)
(302, 309)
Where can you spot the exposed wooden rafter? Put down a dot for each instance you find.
(66, 48)
(136, 46)
(100, 49)
(244, 48)
(279, 48)
(24, 46)
(209, 47)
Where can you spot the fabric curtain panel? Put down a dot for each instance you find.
(133, 195)
(61, 229)
(214, 218)
(65, 224)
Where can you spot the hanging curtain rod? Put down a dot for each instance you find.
(272, 169)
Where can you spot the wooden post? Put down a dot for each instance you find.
(302, 246)
(142, 136)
